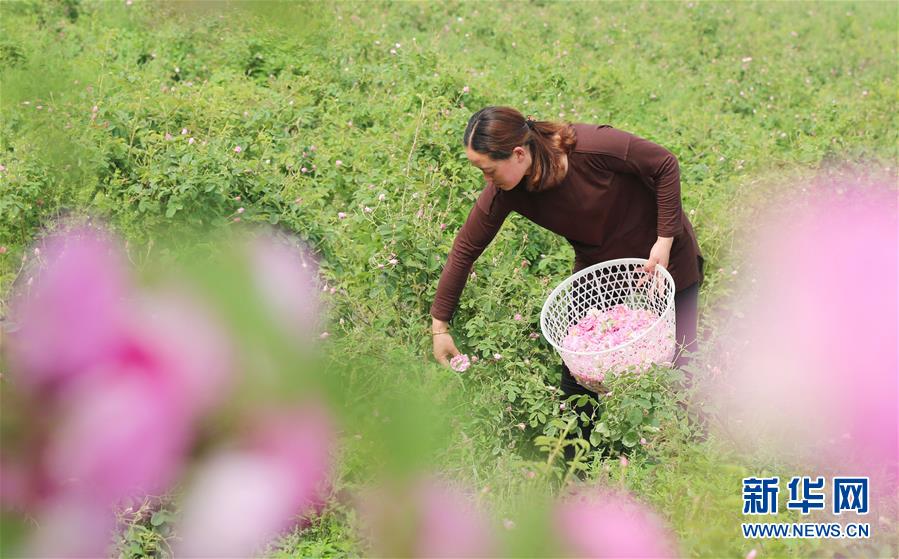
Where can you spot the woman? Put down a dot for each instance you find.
(609, 193)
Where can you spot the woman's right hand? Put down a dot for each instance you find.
(444, 347)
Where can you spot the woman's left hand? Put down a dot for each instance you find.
(659, 254)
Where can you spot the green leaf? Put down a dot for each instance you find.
(160, 517)
(630, 439)
(635, 416)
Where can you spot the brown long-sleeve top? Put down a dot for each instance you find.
(621, 193)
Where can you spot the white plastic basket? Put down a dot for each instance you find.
(602, 286)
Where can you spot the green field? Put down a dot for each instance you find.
(133, 113)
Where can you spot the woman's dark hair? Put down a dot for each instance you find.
(496, 131)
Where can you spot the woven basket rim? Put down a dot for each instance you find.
(605, 264)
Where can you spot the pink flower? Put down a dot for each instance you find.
(517, 316)
(508, 524)
(367, 210)
(244, 497)
(2, 168)
(341, 215)
(497, 356)
(324, 335)
(121, 435)
(286, 274)
(605, 524)
(338, 163)
(751, 554)
(73, 320)
(443, 226)
(381, 197)
(237, 149)
(465, 89)
(460, 363)
(3, 250)
(623, 461)
(191, 141)
(393, 261)
(534, 335)
(168, 136)
(442, 521)
(304, 170)
(643, 441)
(813, 338)
(69, 527)
(240, 210)
(184, 131)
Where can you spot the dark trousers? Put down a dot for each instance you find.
(686, 312)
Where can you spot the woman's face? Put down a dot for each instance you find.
(505, 174)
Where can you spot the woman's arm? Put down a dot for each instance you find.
(658, 169)
(480, 228)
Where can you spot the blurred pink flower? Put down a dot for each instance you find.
(601, 523)
(244, 497)
(73, 318)
(341, 215)
(429, 519)
(168, 136)
(338, 163)
(517, 316)
(237, 149)
(120, 435)
(188, 345)
(184, 131)
(70, 528)
(623, 461)
(751, 554)
(820, 382)
(286, 275)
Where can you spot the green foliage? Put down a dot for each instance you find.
(638, 407)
